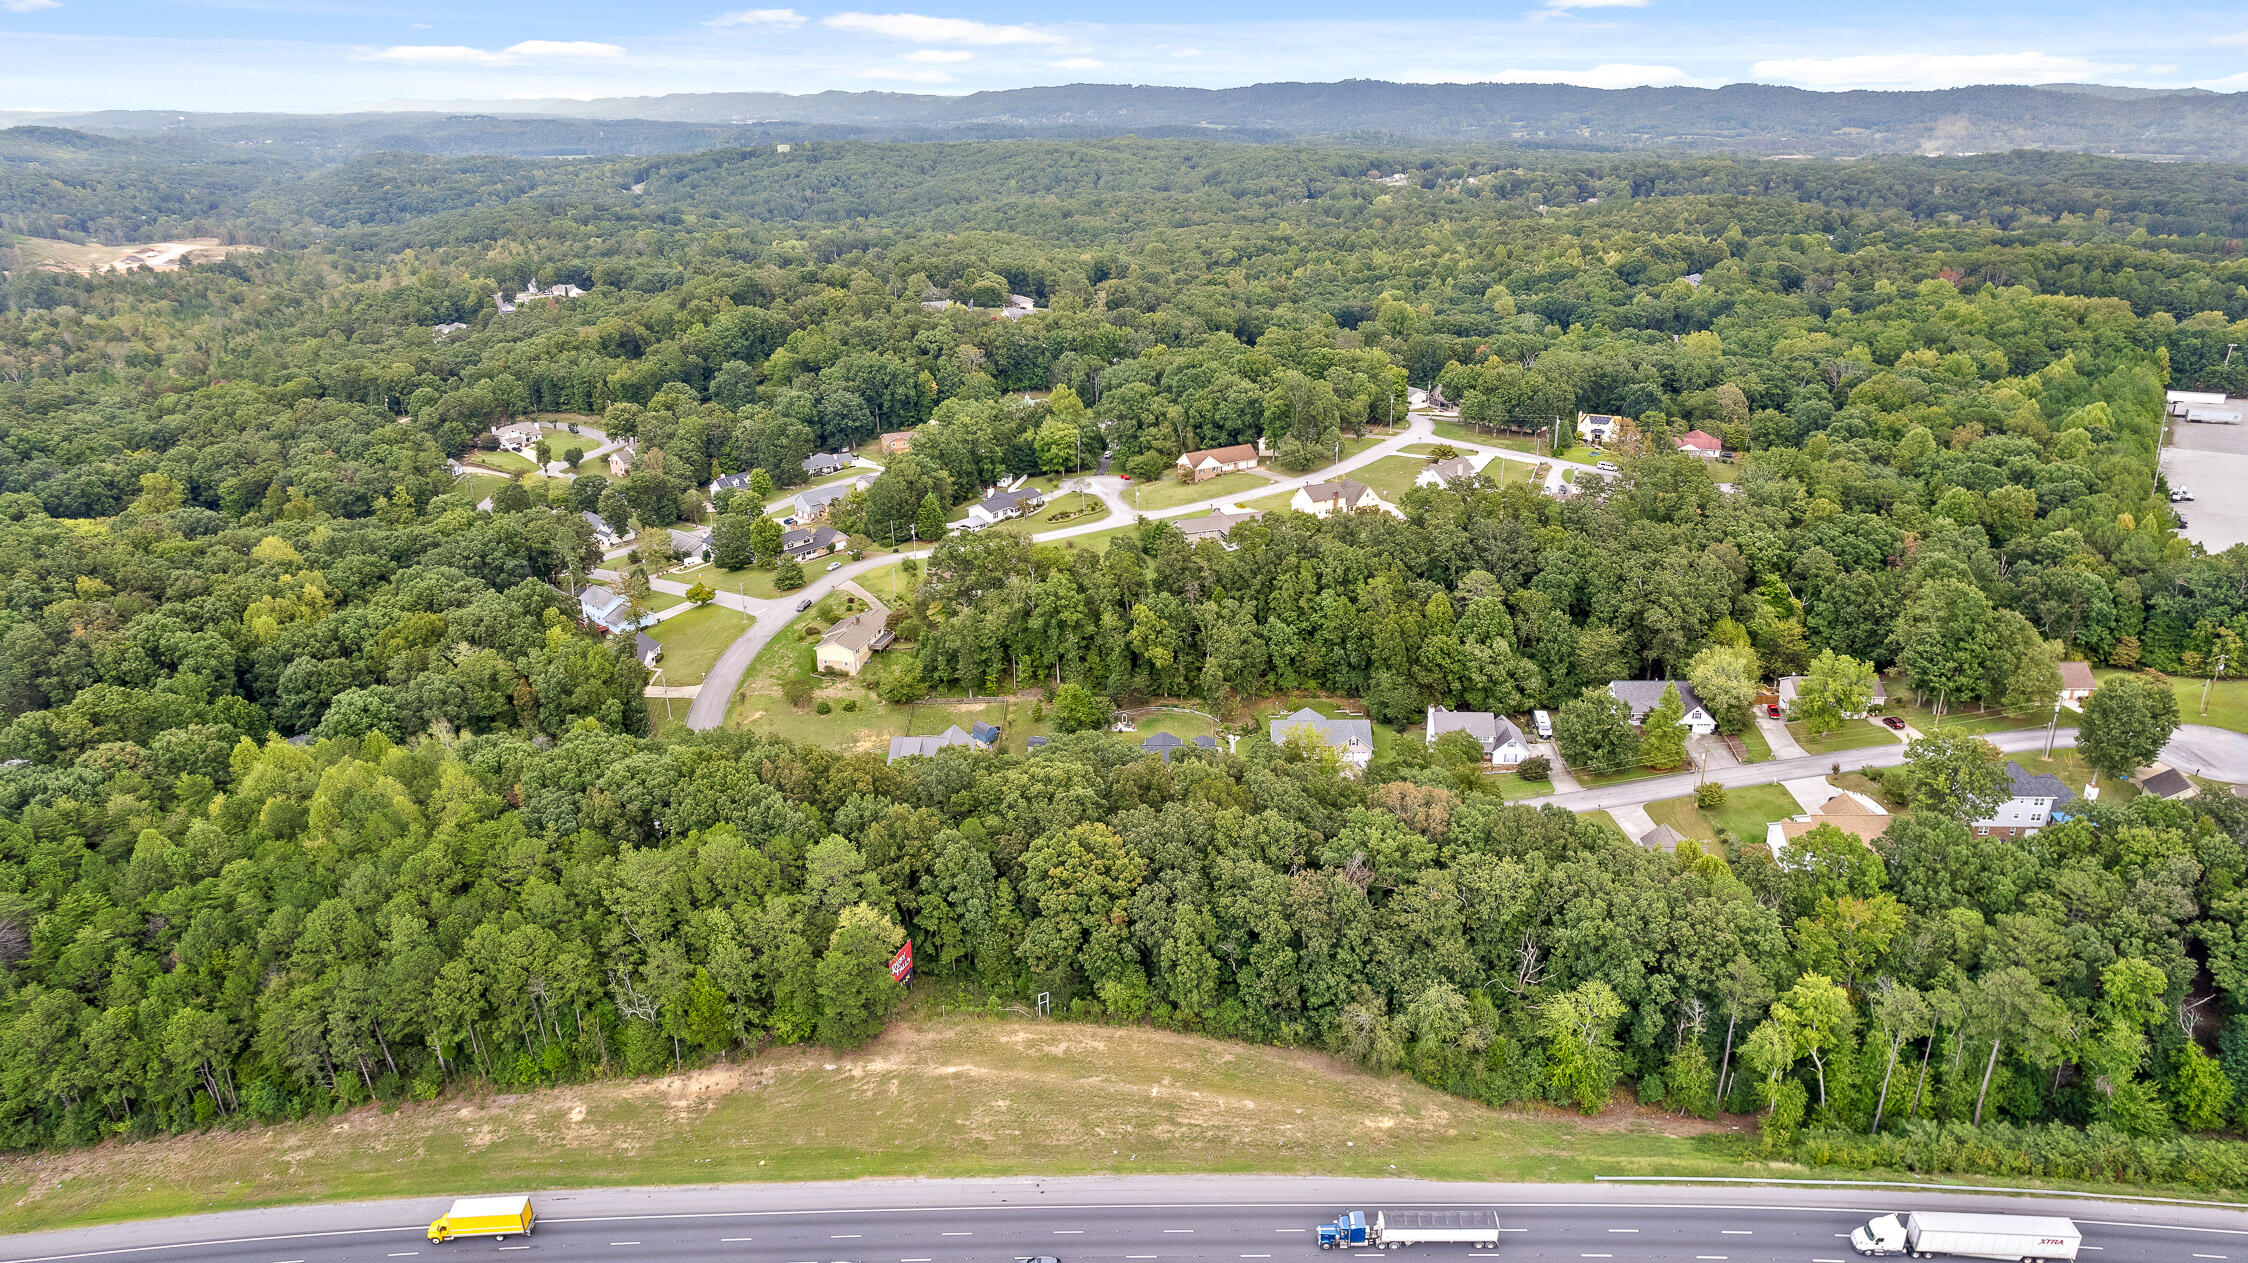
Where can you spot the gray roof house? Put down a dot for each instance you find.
(732, 482)
(1503, 743)
(1215, 526)
(1164, 743)
(646, 648)
(2168, 783)
(821, 464)
(813, 501)
(2032, 803)
(1353, 739)
(803, 542)
(1643, 695)
(908, 747)
(690, 543)
(1443, 473)
(609, 611)
(603, 533)
(1001, 505)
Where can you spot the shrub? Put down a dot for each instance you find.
(850, 704)
(822, 709)
(797, 690)
(788, 575)
(1535, 768)
(1709, 795)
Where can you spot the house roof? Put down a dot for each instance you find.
(1337, 733)
(598, 599)
(1035, 743)
(1699, 441)
(644, 645)
(1341, 490)
(688, 541)
(1448, 470)
(1216, 524)
(2167, 783)
(858, 632)
(826, 462)
(983, 732)
(802, 539)
(1661, 838)
(1643, 695)
(1597, 418)
(1007, 501)
(1164, 743)
(814, 497)
(732, 482)
(1232, 455)
(2043, 785)
(1846, 812)
(597, 522)
(2078, 675)
(1491, 731)
(907, 747)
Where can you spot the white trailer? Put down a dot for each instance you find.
(1395, 1229)
(1933, 1234)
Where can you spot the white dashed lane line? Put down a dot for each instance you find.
(1735, 1232)
(737, 1238)
(956, 1234)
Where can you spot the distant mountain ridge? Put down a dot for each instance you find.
(1740, 118)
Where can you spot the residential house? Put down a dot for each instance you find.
(806, 542)
(2032, 802)
(910, 747)
(1212, 461)
(690, 545)
(2077, 682)
(446, 330)
(845, 648)
(1443, 473)
(1503, 743)
(604, 534)
(812, 503)
(1642, 696)
(1599, 427)
(1851, 812)
(1662, 838)
(2166, 782)
(1164, 743)
(896, 442)
(646, 648)
(534, 293)
(983, 735)
(821, 464)
(620, 464)
(610, 612)
(1351, 739)
(999, 506)
(1018, 306)
(1698, 443)
(519, 437)
(1791, 686)
(1215, 526)
(1326, 499)
(733, 482)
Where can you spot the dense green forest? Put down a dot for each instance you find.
(228, 521)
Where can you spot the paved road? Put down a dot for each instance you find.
(1238, 1219)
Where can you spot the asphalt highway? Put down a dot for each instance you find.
(1153, 1220)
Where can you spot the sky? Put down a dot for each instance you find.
(323, 55)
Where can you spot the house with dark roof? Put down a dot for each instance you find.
(1503, 743)
(910, 747)
(1352, 740)
(609, 611)
(999, 506)
(1326, 499)
(1215, 526)
(2032, 803)
(806, 542)
(984, 735)
(604, 534)
(646, 648)
(1212, 461)
(733, 482)
(1598, 427)
(1643, 695)
(1443, 473)
(821, 464)
(1164, 743)
(2167, 783)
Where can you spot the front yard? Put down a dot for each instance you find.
(1853, 734)
(1149, 497)
(1743, 817)
(692, 641)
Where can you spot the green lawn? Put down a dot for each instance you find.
(1582, 455)
(1060, 511)
(1964, 720)
(692, 641)
(2228, 700)
(1147, 497)
(1743, 817)
(1854, 734)
(1391, 476)
(1759, 750)
(505, 462)
(1464, 433)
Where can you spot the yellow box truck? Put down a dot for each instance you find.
(500, 1217)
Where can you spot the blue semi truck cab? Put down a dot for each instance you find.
(1348, 1229)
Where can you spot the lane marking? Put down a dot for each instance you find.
(1826, 1261)
(1291, 1230)
(844, 1236)
(956, 1234)
(515, 1247)
(1178, 1230)
(1069, 1232)
(1717, 1258)
(1596, 1256)
(1256, 1256)
(2208, 1256)
(1623, 1230)
(624, 1243)
(1735, 1232)
(404, 1254)
(737, 1238)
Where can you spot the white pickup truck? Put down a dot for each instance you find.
(1933, 1234)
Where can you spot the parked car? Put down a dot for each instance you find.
(803, 605)
(1607, 467)
(2179, 493)
(1893, 722)
(1772, 710)
(834, 565)
(788, 521)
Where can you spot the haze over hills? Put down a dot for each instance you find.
(1741, 118)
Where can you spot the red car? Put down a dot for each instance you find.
(1772, 710)
(1894, 722)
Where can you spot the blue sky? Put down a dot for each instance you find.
(314, 55)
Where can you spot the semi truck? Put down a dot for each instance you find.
(1391, 1229)
(500, 1217)
(1934, 1234)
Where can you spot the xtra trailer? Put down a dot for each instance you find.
(1395, 1229)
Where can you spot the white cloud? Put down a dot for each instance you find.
(29, 6)
(435, 55)
(923, 29)
(2236, 38)
(417, 26)
(940, 55)
(758, 17)
(1077, 63)
(1563, 6)
(1186, 52)
(902, 74)
(563, 48)
(1931, 70)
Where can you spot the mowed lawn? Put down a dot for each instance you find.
(1852, 734)
(2228, 700)
(692, 641)
(1971, 720)
(1743, 817)
(1148, 497)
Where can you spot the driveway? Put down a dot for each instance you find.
(1776, 735)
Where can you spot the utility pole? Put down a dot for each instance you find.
(2052, 729)
(2210, 681)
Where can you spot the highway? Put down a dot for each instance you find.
(1222, 1219)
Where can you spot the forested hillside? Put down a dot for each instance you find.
(228, 521)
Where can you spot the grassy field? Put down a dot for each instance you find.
(1461, 433)
(1964, 720)
(1391, 476)
(1854, 734)
(1060, 511)
(2228, 700)
(933, 1097)
(505, 462)
(1759, 750)
(692, 641)
(1169, 493)
(1745, 813)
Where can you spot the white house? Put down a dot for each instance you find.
(519, 437)
(1001, 505)
(1698, 443)
(1598, 427)
(1503, 743)
(604, 535)
(1352, 740)
(821, 464)
(1210, 462)
(1643, 695)
(2032, 803)
(1326, 499)
(610, 612)
(1443, 473)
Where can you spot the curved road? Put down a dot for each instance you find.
(708, 710)
(1198, 1219)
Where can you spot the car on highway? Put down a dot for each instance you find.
(834, 566)
(803, 605)
(1893, 722)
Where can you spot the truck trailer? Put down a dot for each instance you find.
(1942, 1234)
(500, 1217)
(1392, 1229)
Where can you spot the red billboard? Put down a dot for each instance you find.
(901, 965)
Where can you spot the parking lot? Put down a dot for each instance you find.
(2212, 462)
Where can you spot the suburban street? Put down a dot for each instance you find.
(1168, 1219)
